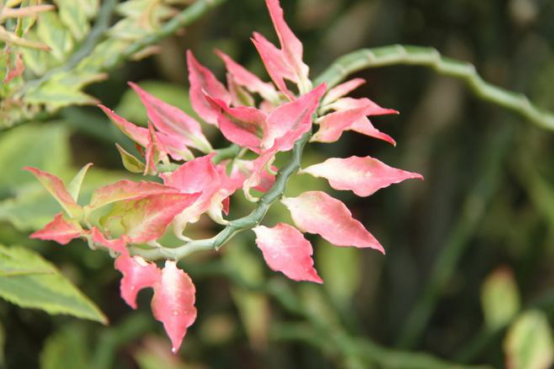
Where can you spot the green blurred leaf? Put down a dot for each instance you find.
(73, 15)
(130, 162)
(53, 33)
(48, 290)
(529, 344)
(132, 109)
(2, 343)
(42, 146)
(500, 298)
(253, 307)
(66, 349)
(340, 268)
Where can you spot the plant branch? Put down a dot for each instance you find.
(237, 225)
(431, 58)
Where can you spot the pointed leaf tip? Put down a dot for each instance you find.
(60, 230)
(317, 212)
(362, 175)
(286, 250)
(173, 303)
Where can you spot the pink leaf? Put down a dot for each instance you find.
(199, 175)
(155, 151)
(202, 82)
(172, 121)
(316, 212)
(364, 126)
(290, 45)
(60, 230)
(146, 219)
(243, 125)
(286, 250)
(245, 78)
(126, 190)
(134, 132)
(371, 107)
(173, 303)
(333, 125)
(363, 176)
(242, 169)
(117, 245)
(342, 90)
(290, 121)
(239, 95)
(55, 186)
(137, 274)
(275, 64)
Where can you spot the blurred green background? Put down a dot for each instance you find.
(468, 273)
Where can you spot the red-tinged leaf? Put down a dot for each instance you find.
(242, 169)
(275, 64)
(117, 245)
(364, 126)
(318, 213)
(60, 230)
(202, 82)
(342, 90)
(372, 108)
(173, 303)
(243, 125)
(55, 186)
(245, 78)
(290, 121)
(259, 171)
(286, 250)
(333, 125)
(147, 219)
(17, 70)
(137, 274)
(126, 190)
(134, 132)
(290, 45)
(363, 176)
(155, 152)
(198, 175)
(172, 121)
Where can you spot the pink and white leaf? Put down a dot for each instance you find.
(137, 275)
(342, 90)
(60, 230)
(202, 82)
(242, 169)
(118, 245)
(126, 190)
(243, 125)
(372, 108)
(363, 176)
(57, 189)
(364, 127)
(290, 121)
(134, 132)
(172, 121)
(291, 46)
(147, 219)
(334, 124)
(275, 64)
(318, 213)
(286, 250)
(245, 78)
(173, 303)
(239, 95)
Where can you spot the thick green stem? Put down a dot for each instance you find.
(237, 225)
(431, 58)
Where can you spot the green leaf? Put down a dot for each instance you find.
(340, 268)
(74, 187)
(2, 343)
(73, 15)
(500, 299)
(130, 162)
(42, 146)
(90, 7)
(66, 349)
(529, 344)
(48, 290)
(53, 33)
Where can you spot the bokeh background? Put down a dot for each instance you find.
(469, 250)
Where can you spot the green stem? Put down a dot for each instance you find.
(431, 58)
(237, 225)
